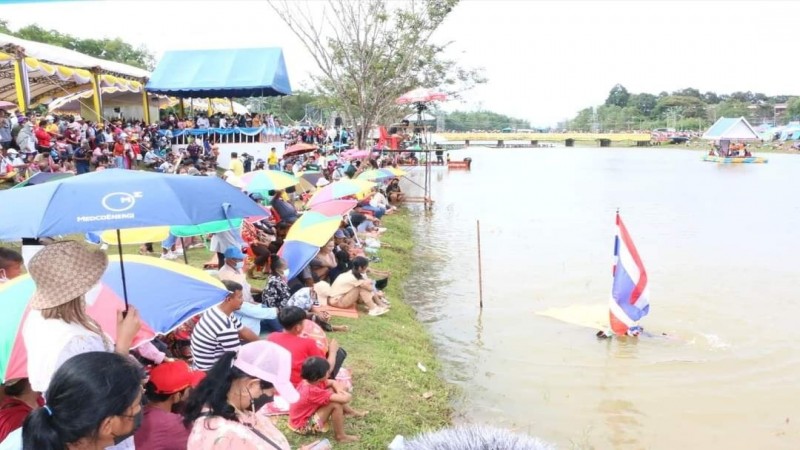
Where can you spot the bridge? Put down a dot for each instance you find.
(569, 139)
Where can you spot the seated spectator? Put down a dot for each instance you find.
(394, 192)
(19, 401)
(306, 299)
(277, 291)
(219, 331)
(251, 314)
(94, 401)
(285, 210)
(168, 387)
(10, 264)
(354, 286)
(322, 402)
(222, 409)
(302, 348)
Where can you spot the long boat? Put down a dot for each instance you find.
(465, 164)
(736, 159)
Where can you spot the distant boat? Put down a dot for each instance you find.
(730, 133)
(736, 159)
(465, 164)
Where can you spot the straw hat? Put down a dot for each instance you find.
(64, 271)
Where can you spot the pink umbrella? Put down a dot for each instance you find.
(299, 149)
(421, 95)
(335, 207)
(355, 153)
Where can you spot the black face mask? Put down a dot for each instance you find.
(262, 400)
(137, 422)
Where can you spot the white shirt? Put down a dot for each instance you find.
(202, 122)
(51, 342)
(221, 241)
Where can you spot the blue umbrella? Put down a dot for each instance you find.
(115, 199)
(297, 256)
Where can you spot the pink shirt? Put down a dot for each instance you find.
(216, 433)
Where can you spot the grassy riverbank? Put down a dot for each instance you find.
(383, 353)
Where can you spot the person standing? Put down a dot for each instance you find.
(272, 159)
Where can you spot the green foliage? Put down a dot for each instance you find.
(793, 108)
(618, 96)
(108, 49)
(482, 120)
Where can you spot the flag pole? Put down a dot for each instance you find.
(480, 270)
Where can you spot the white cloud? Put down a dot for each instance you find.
(544, 60)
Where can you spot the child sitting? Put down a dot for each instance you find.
(321, 400)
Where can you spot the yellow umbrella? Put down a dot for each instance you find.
(313, 228)
(397, 172)
(135, 235)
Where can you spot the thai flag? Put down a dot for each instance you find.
(629, 295)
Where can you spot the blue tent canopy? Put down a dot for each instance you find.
(247, 72)
(731, 129)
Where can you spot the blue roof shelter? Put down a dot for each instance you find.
(247, 72)
(731, 129)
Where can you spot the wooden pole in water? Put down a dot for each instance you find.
(480, 269)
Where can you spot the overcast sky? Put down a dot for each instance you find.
(544, 60)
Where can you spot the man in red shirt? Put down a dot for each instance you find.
(169, 385)
(291, 318)
(19, 402)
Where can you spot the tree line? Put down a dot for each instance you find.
(685, 109)
(109, 49)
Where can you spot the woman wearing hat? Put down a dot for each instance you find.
(58, 326)
(222, 409)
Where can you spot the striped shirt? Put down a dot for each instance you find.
(214, 335)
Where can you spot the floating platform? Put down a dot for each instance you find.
(460, 165)
(736, 159)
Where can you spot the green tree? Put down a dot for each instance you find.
(583, 121)
(618, 96)
(109, 49)
(732, 108)
(644, 103)
(371, 52)
(793, 108)
(482, 120)
(689, 106)
(688, 92)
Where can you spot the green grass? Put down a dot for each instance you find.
(383, 353)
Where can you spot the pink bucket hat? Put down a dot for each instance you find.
(269, 362)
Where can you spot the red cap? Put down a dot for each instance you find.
(174, 376)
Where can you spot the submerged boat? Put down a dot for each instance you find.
(465, 164)
(736, 159)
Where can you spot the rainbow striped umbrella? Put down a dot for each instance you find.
(217, 226)
(135, 235)
(376, 175)
(180, 292)
(267, 180)
(335, 207)
(339, 189)
(313, 228)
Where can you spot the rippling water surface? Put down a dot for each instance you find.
(720, 244)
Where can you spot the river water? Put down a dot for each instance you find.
(720, 244)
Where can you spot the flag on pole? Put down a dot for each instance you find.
(629, 294)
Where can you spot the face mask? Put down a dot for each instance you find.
(286, 272)
(240, 265)
(137, 422)
(3, 277)
(258, 403)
